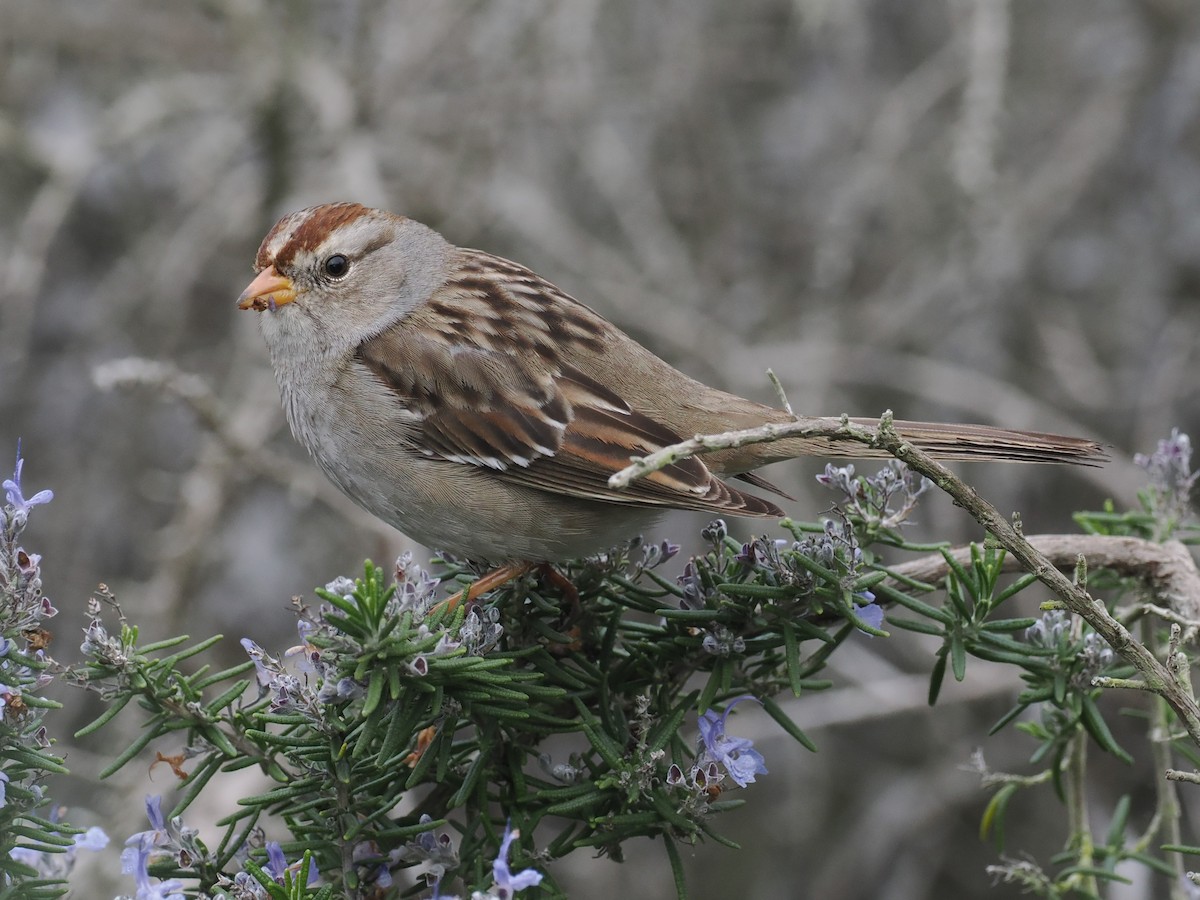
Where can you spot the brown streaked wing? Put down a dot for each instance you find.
(605, 434)
(489, 400)
(475, 405)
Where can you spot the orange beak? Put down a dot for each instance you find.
(268, 290)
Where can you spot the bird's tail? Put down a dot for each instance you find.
(941, 440)
(965, 442)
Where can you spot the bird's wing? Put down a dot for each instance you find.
(487, 368)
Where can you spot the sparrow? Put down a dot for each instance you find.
(479, 409)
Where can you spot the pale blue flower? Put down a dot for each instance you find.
(871, 613)
(135, 862)
(92, 839)
(157, 834)
(507, 883)
(737, 755)
(12, 489)
(257, 654)
(277, 864)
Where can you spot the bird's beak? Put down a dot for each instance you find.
(268, 290)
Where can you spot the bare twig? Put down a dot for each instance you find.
(803, 426)
(780, 393)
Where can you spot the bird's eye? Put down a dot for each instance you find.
(337, 265)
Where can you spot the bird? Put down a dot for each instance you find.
(473, 405)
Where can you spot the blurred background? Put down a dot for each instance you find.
(982, 210)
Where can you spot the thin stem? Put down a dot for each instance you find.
(1167, 809)
(1075, 783)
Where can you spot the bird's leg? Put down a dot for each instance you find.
(555, 578)
(492, 580)
(506, 573)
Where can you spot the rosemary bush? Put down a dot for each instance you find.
(401, 734)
